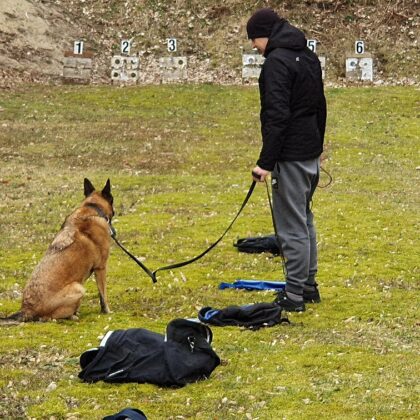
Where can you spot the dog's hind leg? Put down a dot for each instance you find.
(100, 275)
(66, 302)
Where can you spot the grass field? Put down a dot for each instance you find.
(179, 159)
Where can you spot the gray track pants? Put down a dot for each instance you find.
(293, 184)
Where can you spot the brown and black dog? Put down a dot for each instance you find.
(80, 248)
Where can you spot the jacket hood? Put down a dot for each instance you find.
(284, 35)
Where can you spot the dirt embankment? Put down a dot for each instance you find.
(35, 33)
(32, 39)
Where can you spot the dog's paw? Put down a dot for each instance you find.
(47, 319)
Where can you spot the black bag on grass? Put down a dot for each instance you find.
(127, 414)
(258, 244)
(181, 356)
(252, 316)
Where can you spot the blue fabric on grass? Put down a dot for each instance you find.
(254, 285)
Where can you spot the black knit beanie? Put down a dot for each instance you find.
(261, 23)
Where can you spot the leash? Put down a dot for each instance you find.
(145, 269)
(182, 264)
(330, 178)
(113, 234)
(152, 274)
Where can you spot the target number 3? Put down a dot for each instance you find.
(172, 44)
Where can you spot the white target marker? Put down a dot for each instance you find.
(311, 43)
(78, 47)
(172, 44)
(359, 47)
(125, 46)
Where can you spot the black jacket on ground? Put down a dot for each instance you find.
(182, 356)
(293, 106)
(253, 316)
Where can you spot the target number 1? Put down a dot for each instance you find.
(78, 47)
(172, 44)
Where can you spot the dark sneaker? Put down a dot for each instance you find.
(311, 296)
(288, 304)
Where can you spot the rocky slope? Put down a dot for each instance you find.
(35, 33)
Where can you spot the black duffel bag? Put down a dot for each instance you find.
(183, 355)
(258, 244)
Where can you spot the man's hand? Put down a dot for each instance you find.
(259, 174)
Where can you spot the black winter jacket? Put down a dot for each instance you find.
(293, 106)
(182, 356)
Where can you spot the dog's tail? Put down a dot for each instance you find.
(13, 319)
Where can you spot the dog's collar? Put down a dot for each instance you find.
(100, 212)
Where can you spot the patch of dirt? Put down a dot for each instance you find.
(33, 36)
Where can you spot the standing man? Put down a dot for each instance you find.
(293, 117)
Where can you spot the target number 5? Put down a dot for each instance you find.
(312, 44)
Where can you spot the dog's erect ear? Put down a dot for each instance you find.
(106, 192)
(89, 188)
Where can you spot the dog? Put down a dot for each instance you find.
(80, 248)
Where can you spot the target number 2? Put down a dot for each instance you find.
(125, 46)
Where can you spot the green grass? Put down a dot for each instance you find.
(179, 159)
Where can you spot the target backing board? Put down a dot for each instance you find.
(251, 65)
(173, 69)
(322, 59)
(125, 69)
(77, 67)
(359, 67)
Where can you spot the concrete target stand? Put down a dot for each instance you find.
(173, 69)
(359, 65)
(359, 68)
(125, 69)
(323, 61)
(77, 68)
(251, 66)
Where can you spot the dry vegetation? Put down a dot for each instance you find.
(35, 34)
